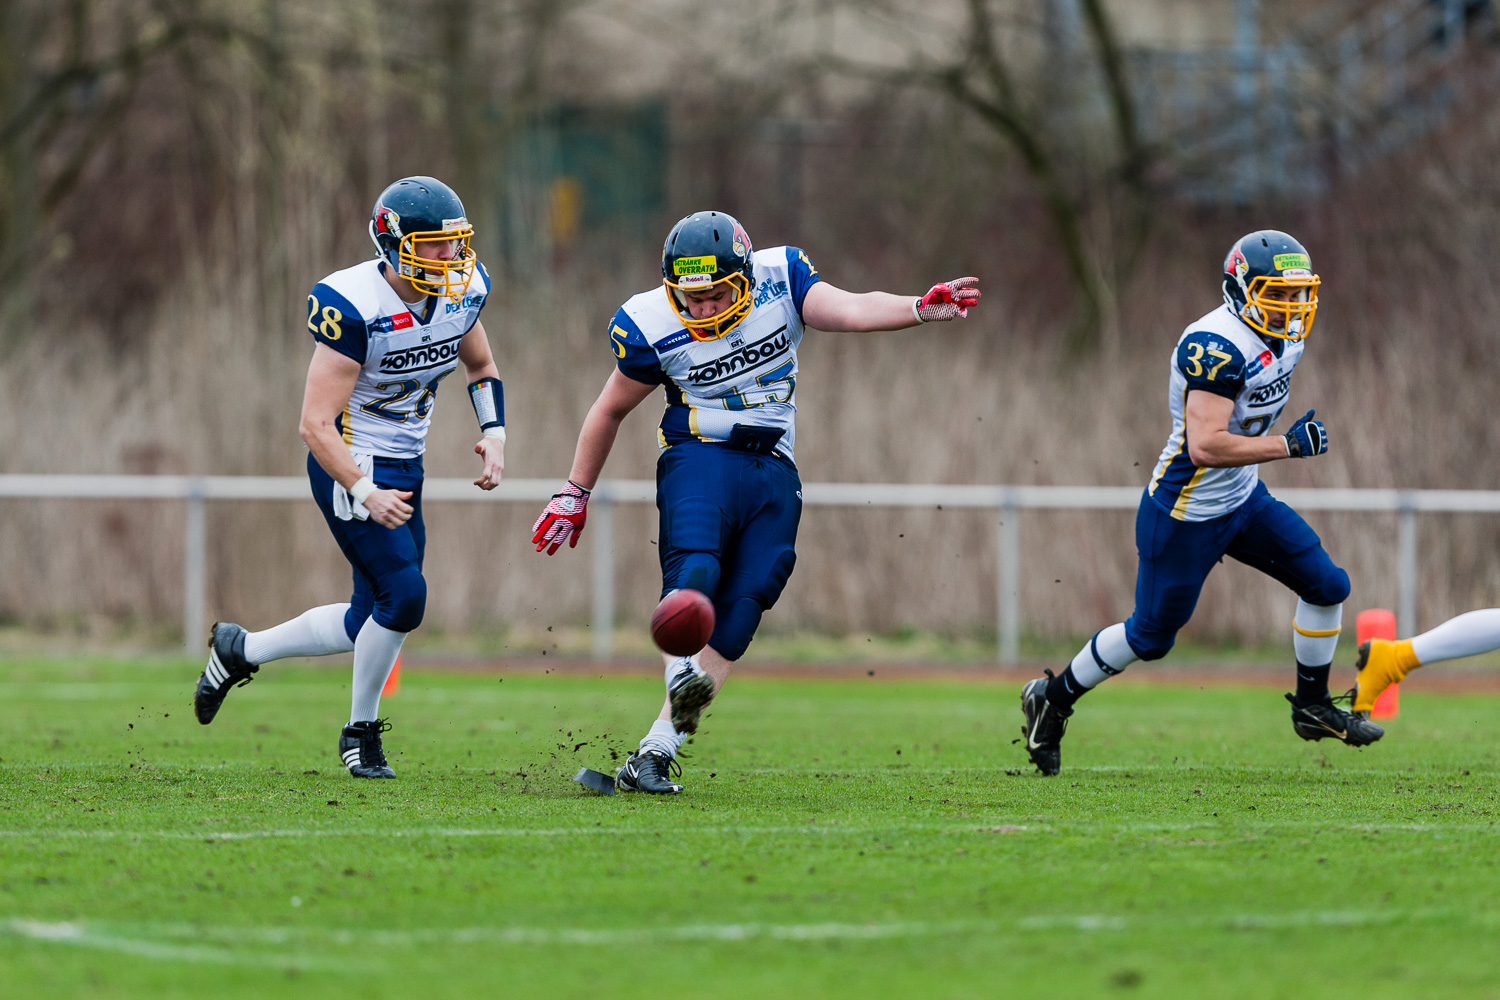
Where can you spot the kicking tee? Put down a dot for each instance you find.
(405, 351)
(739, 387)
(1220, 354)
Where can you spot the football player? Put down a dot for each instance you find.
(1230, 377)
(1383, 662)
(387, 332)
(720, 338)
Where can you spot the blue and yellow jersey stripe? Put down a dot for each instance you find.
(1177, 477)
(679, 422)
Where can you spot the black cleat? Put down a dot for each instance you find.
(690, 692)
(227, 667)
(649, 771)
(359, 745)
(1323, 719)
(1044, 727)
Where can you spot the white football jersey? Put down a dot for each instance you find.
(404, 350)
(747, 377)
(1222, 355)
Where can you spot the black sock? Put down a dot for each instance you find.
(1312, 682)
(1064, 689)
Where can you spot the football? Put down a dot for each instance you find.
(682, 622)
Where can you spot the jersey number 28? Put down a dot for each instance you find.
(405, 387)
(331, 318)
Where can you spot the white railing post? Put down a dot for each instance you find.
(1406, 606)
(194, 572)
(602, 522)
(1008, 580)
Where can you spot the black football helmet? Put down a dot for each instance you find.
(1262, 261)
(703, 250)
(418, 211)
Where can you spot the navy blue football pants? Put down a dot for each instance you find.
(728, 529)
(1176, 557)
(387, 562)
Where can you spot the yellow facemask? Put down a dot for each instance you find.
(439, 277)
(1296, 314)
(713, 327)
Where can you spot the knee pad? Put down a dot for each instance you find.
(738, 616)
(696, 571)
(401, 600)
(1149, 644)
(354, 620)
(734, 626)
(775, 581)
(1332, 589)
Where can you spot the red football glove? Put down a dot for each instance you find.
(950, 300)
(563, 518)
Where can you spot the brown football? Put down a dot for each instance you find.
(682, 622)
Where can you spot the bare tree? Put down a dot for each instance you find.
(1019, 101)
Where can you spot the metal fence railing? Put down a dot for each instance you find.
(1005, 502)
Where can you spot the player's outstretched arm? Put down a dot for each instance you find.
(827, 307)
(330, 383)
(488, 398)
(563, 518)
(1211, 445)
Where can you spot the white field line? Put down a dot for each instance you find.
(1234, 831)
(442, 831)
(1204, 770)
(159, 941)
(84, 935)
(14, 691)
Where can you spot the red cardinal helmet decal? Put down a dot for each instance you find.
(387, 221)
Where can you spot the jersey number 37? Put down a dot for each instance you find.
(1195, 364)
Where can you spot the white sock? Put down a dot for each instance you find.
(663, 737)
(678, 665)
(1467, 635)
(1323, 622)
(375, 652)
(1109, 646)
(312, 633)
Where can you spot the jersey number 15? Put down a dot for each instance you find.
(735, 400)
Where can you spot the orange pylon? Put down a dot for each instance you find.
(1380, 623)
(393, 681)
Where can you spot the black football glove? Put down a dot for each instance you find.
(1306, 437)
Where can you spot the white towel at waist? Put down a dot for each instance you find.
(344, 506)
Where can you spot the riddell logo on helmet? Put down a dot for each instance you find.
(695, 265)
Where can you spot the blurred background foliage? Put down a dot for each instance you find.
(175, 174)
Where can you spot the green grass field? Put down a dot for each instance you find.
(879, 839)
